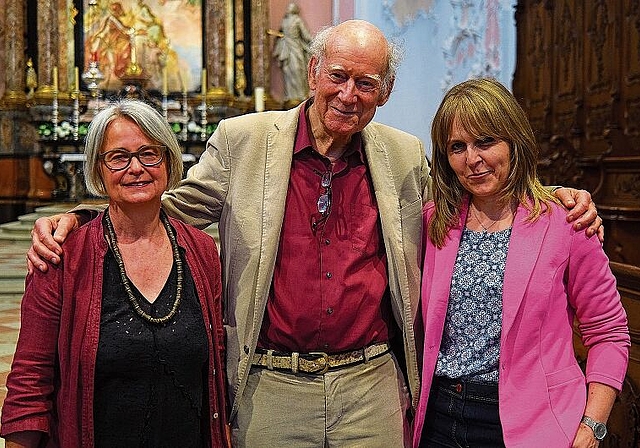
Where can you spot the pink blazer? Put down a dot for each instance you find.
(552, 275)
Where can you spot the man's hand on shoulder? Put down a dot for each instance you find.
(582, 211)
(47, 236)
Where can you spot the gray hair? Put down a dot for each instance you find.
(395, 54)
(151, 123)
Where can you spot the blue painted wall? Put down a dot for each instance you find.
(445, 42)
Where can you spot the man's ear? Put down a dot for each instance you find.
(311, 72)
(384, 96)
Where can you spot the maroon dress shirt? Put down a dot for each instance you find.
(329, 290)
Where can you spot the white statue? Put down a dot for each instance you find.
(291, 50)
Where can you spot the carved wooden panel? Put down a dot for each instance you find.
(581, 90)
(533, 60)
(630, 85)
(601, 62)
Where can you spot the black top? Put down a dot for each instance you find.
(150, 379)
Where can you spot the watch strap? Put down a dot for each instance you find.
(599, 429)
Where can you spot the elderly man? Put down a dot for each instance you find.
(319, 212)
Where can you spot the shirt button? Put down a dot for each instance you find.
(215, 415)
(329, 275)
(329, 310)
(327, 241)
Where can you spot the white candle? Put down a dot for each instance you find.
(55, 79)
(204, 81)
(165, 89)
(259, 99)
(77, 80)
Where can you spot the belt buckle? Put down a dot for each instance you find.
(323, 356)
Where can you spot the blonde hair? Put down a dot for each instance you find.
(150, 122)
(484, 108)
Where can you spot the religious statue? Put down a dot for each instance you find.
(291, 50)
(240, 83)
(32, 78)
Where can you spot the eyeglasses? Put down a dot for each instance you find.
(324, 201)
(120, 159)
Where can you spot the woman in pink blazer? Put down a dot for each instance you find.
(504, 276)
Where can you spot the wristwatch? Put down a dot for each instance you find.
(599, 428)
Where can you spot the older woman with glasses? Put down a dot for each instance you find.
(122, 344)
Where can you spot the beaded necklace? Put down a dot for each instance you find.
(111, 241)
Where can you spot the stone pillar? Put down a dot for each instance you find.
(14, 45)
(216, 13)
(260, 50)
(47, 16)
(17, 135)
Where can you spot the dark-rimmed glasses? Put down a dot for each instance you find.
(119, 159)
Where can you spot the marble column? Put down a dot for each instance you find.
(14, 46)
(260, 51)
(47, 17)
(17, 135)
(216, 57)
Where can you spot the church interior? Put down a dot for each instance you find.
(576, 74)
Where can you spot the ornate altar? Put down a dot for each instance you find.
(181, 56)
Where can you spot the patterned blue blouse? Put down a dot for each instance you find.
(470, 347)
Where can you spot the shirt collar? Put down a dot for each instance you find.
(303, 135)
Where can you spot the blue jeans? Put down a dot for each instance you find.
(462, 414)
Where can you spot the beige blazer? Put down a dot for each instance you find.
(241, 181)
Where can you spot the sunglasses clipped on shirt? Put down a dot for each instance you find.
(324, 200)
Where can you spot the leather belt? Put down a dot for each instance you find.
(317, 363)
